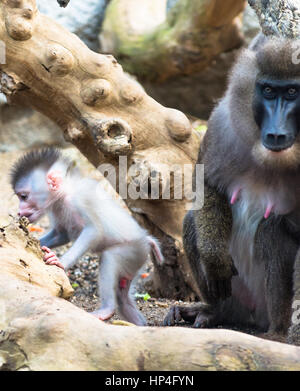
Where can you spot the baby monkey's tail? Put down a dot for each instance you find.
(155, 247)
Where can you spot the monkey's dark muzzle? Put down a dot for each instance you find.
(277, 142)
(279, 131)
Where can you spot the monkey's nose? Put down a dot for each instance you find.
(277, 141)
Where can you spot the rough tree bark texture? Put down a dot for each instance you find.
(278, 17)
(21, 258)
(39, 331)
(192, 35)
(105, 114)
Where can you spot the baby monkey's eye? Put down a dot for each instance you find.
(23, 197)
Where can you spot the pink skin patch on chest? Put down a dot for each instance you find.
(268, 210)
(235, 195)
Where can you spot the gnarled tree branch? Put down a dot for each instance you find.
(103, 112)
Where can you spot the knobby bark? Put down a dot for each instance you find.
(106, 114)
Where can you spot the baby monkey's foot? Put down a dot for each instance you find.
(103, 313)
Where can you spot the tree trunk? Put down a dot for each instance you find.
(40, 331)
(185, 41)
(106, 115)
(278, 17)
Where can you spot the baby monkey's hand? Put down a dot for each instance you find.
(50, 258)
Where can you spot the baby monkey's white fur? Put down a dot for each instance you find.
(80, 210)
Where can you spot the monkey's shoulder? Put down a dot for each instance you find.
(218, 143)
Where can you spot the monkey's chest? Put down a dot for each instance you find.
(252, 200)
(249, 283)
(249, 208)
(252, 204)
(72, 222)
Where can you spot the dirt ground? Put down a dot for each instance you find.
(84, 275)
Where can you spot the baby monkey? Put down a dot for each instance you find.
(81, 211)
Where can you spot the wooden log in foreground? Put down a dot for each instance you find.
(40, 331)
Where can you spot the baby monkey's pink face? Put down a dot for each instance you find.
(33, 194)
(28, 207)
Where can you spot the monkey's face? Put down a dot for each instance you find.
(33, 196)
(264, 98)
(28, 207)
(276, 110)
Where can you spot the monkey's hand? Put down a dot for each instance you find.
(200, 315)
(50, 258)
(219, 278)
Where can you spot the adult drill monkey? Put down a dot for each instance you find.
(80, 210)
(251, 153)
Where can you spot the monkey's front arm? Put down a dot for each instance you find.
(206, 234)
(87, 240)
(54, 238)
(212, 229)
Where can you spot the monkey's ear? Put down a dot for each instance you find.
(54, 180)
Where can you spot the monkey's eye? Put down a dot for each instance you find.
(292, 92)
(23, 197)
(268, 92)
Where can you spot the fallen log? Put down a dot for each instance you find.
(39, 330)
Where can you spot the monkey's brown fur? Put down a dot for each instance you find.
(232, 153)
(211, 241)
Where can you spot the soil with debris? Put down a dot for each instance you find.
(84, 275)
